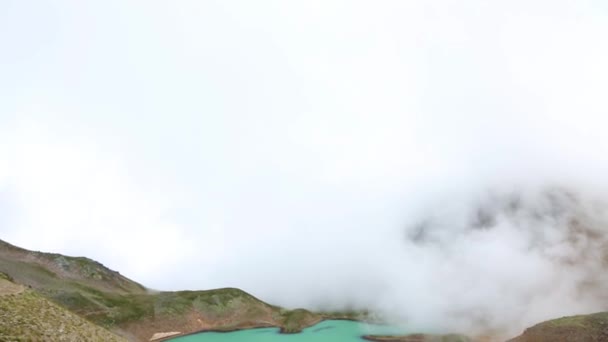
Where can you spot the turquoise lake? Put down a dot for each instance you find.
(326, 331)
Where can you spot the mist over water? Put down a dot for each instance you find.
(493, 262)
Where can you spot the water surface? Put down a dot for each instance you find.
(326, 331)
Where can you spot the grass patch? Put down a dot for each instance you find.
(28, 316)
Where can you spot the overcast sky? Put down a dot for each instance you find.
(199, 144)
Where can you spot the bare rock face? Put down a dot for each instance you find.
(583, 328)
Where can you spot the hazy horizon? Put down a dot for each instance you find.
(338, 153)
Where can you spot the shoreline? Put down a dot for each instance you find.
(278, 327)
(414, 337)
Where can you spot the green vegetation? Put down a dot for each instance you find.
(58, 272)
(593, 327)
(296, 320)
(581, 321)
(6, 276)
(106, 298)
(27, 316)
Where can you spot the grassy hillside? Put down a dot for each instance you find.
(28, 316)
(105, 297)
(59, 272)
(583, 328)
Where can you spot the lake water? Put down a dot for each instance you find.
(326, 331)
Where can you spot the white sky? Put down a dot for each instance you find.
(198, 144)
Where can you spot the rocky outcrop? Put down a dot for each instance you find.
(296, 320)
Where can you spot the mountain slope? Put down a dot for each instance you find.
(55, 271)
(105, 297)
(36, 289)
(582, 328)
(26, 315)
